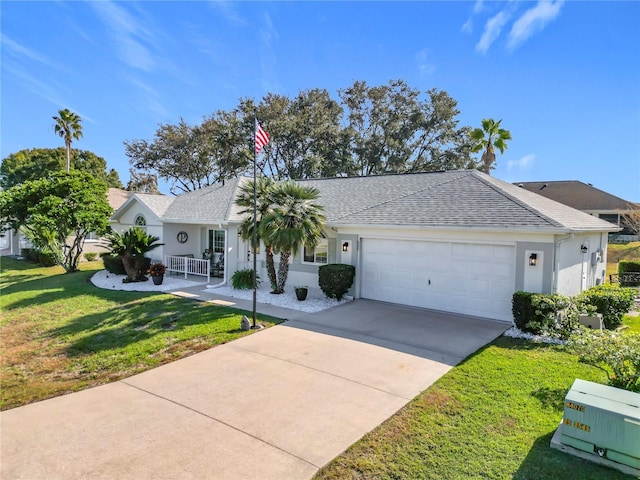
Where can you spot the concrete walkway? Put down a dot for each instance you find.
(278, 404)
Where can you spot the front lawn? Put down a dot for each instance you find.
(61, 334)
(491, 417)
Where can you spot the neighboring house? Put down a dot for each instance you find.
(12, 242)
(458, 241)
(585, 197)
(116, 198)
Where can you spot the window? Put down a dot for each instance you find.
(140, 222)
(320, 254)
(216, 241)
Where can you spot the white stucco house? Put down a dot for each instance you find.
(458, 241)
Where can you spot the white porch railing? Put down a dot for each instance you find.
(188, 265)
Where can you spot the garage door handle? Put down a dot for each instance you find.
(429, 281)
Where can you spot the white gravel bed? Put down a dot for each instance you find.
(104, 279)
(515, 332)
(315, 302)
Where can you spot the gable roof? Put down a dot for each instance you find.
(462, 198)
(576, 194)
(116, 197)
(454, 199)
(212, 204)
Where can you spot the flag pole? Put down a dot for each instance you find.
(255, 215)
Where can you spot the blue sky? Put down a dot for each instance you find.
(563, 76)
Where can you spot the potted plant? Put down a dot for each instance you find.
(157, 271)
(301, 293)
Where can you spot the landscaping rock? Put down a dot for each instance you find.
(245, 324)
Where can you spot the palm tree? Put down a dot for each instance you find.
(488, 138)
(244, 199)
(131, 246)
(68, 127)
(295, 219)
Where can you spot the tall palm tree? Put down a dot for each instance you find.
(488, 138)
(68, 127)
(244, 199)
(294, 220)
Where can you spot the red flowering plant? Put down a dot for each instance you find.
(157, 269)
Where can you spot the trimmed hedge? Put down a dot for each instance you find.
(113, 264)
(612, 301)
(522, 310)
(557, 315)
(336, 279)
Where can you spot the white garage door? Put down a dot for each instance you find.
(472, 279)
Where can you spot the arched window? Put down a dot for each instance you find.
(140, 222)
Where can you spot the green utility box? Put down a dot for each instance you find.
(602, 421)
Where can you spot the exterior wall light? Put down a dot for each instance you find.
(584, 248)
(345, 247)
(533, 259)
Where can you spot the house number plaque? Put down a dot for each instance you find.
(183, 237)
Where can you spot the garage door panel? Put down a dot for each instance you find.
(474, 279)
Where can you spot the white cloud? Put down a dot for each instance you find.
(478, 6)
(228, 11)
(522, 164)
(532, 21)
(20, 51)
(467, 27)
(425, 67)
(128, 35)
(492, 30)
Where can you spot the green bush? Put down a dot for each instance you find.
(616, 353)
(552, 315)
(627, 266)
(612, 301)
(90, 256)
(522, 310)
(243, 279)
(336, 279)
(113, 264)
(46, 259)
(556, 315)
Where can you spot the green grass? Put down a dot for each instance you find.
(491, 417)
(60, 334)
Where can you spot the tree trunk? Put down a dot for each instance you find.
(283, 271)
(271, 268)
(135, 268)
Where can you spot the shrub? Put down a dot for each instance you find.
(113, 264)
(612, 301)
(616, 353)
(243, 279)
(556, 315)
(46, 259)
(90, 256)
(553, 315)
(336, 279)
(523, 311)
(627, 266)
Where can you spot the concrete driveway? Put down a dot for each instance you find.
(277, 404)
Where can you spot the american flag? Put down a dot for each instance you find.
(262, 137)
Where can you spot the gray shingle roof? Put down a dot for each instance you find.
(455, 199)
(463, 198)
(213, 204)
